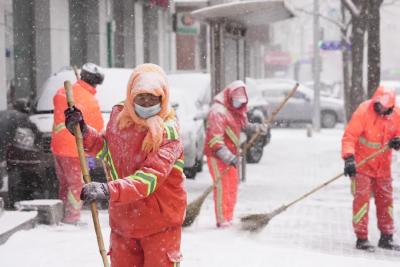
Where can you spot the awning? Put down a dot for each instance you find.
(248, 13)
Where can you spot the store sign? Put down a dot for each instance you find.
(334, 45)
(278, 58)
(186, 24)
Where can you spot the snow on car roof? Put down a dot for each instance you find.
(111, 92)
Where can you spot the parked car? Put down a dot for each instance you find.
(299, 108)
(192, 131)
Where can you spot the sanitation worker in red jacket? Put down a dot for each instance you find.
(63, 144)
(144, 154)
(375, 123)
(226, 119)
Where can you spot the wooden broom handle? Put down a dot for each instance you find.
(258, 132)
(86, 176)
(361, 163)
(269, 120)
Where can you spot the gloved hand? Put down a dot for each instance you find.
(395, 143)
(95, 191)
(226, 156)
(74, 116)
(350, 166)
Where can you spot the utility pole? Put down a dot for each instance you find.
(316, 70)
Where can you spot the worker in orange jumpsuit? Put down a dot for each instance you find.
(63, 144)
(375, 123)
(226, 119)
(144, 155)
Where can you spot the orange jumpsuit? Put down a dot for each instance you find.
(64, 148)
(147, 194)
(224, 124)
(367, 132)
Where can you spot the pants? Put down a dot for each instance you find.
(69, 174)
(225, 191)
(381, 188)
(158, 250)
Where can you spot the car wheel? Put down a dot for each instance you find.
(328, 119)
(255, 153)
(191, 172)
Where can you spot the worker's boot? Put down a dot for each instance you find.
(386, 242)
(364, 244)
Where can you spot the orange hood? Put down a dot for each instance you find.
(147, 78)
(385, 96)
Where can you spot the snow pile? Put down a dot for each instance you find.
(315, 232)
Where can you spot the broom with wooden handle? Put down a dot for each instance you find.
(256, 222)
(193, 209)
(106, 173)
(86, 176)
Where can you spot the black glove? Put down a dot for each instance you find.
(95, 191)
(74, 116)
(395, 143)
(350, 166)
(234, 161)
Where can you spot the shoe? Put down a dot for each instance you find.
(224, 224)
(386, 242)
(364, 244)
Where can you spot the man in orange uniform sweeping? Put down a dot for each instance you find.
(375, 123)
(226, 119)
(144, 155)
(63, 144)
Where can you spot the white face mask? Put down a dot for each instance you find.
(147, 112)
(236, 103)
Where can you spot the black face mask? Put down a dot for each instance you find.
(381, 110)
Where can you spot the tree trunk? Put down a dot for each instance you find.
(346, 57)
(357, 56)
(374, 46)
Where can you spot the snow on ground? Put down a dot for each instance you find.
(315, 232)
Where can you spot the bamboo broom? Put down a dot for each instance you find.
(86, 176)
(256, 222)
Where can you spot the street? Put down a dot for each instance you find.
(315, 232)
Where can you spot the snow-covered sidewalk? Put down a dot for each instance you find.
(315, 232)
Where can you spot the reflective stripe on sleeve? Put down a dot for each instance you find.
(146, 178)
(369, 144)
(57, 128)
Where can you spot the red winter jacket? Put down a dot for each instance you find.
(367, 132)
(147, 192)
(224, 122)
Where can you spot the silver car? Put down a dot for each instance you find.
(299, 108)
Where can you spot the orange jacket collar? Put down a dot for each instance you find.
(87, 86)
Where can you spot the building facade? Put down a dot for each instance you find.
(40, 37)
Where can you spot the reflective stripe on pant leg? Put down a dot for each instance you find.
(384, 204)
(76, 204)
(363, 188)
(360, 213)
(220, 216)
